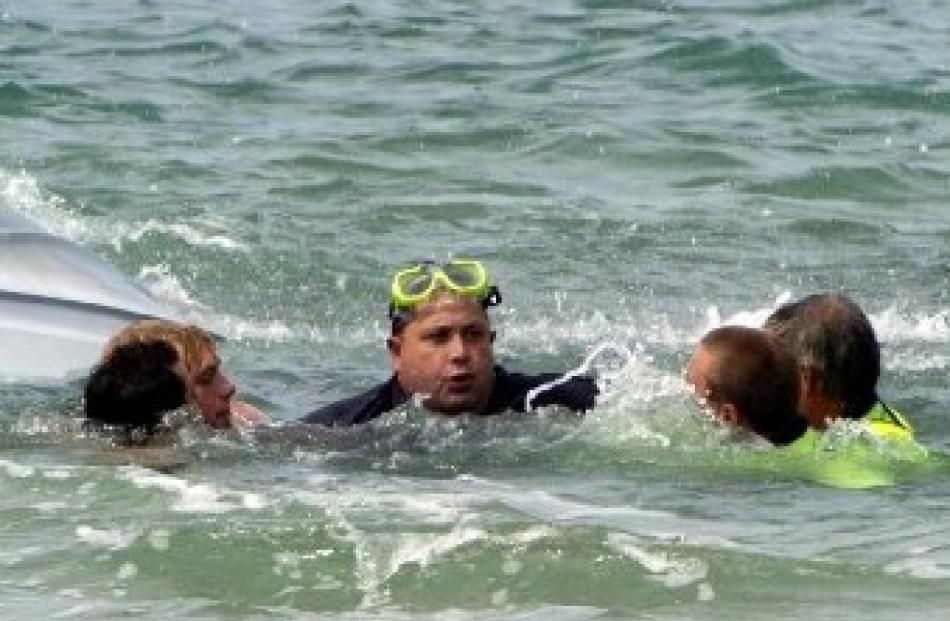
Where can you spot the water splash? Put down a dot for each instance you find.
(165, 286)
(892, 325)
(749, 318)
(23, 193)
(584, 369)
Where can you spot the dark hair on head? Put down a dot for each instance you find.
(831, 334)
(398, 323)
(755, 373)
(135, 385)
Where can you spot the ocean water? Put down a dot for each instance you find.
(633, 173)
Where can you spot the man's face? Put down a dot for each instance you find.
(211, 391)
(445, 353)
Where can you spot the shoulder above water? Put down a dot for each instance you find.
(510, 392)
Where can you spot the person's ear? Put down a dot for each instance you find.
(730, 413)
(394, 345)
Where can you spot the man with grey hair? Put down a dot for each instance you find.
(839, 362)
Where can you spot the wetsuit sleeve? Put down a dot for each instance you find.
(359, 409)
(577, 394)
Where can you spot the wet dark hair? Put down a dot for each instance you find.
(755, 373)
(831, 334)
(134, 386)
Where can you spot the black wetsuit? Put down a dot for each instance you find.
(576, 394)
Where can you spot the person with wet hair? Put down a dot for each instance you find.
(134, 387)
(839, 363)
(748, 379)
(441, 352)
(207, 387)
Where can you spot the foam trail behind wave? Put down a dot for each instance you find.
(191, 233)
(23, 193)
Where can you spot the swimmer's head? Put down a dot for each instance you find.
(441, 341)
(208, 388)
(748, 379)
(837, 352)
(136, 385)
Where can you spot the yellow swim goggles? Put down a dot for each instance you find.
(416, 283)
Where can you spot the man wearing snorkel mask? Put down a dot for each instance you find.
(440, 350)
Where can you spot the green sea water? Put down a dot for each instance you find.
(633, 173)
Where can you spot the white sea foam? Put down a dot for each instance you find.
(666, 568)
(892, 325)
(193, 232)
(127, 570)
(915, 361)
(639, 381)
(15, 470)
(193, 497)
(550, 507)
(705, 592)
(52, 506)
(23, 193)
(144, 479)
(511, 567)
(639, 332)
(57, 473)
(202, 498)
(752, 318)
(919, 568)
(547, 333)
(379, 557)
(626, 382)
(422, 549)
(243, 328)
(113, 538)
(429, 508)
(530, 535)
(252, 501)
(165, 286)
